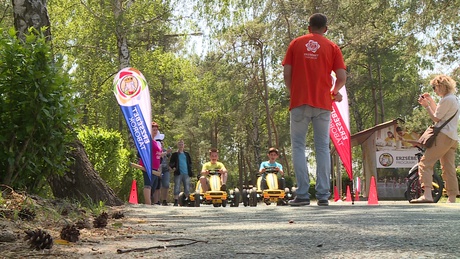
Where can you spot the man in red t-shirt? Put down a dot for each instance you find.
(308, 64)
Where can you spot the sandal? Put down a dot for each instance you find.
(421, 200)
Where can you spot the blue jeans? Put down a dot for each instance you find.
(300, 119)
(165, 178)
(185, 179)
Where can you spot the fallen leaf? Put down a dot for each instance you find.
(61, 242)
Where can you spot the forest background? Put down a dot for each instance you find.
(215, 78)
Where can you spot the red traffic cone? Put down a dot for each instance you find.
(357, 195)
(336, 194)
(348, 194)
(372, 199)
(133, 194)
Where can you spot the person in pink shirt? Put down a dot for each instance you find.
(151, 184)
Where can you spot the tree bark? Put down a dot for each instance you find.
(82, 181)
(122, 42)
(267, 105)
(31, 13)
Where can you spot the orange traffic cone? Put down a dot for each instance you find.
(336, 194)
(372, 199)
(133, 194)
(348, 194)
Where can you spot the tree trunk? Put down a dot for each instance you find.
(242, 175)
(82, 181)
(374, 95)
(31, 13)
(122, 42)
(381, 104)
(267, 105)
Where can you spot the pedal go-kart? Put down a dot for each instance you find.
(214, 195)
(273, 192)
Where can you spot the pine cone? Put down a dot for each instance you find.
(70, 233)
(65, 211)
(38, 239)
(6, 213)
(26, 214)
(83, 223)
(118, 215)
(101, 220)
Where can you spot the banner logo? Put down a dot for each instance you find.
(386, 159)
(129, 83)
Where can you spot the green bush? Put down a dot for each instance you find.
(37, 112)
(125, 186)
(312, 189)
(289, 181)
(109, 157)
(458, 176)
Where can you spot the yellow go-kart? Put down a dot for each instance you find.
(214, 195)
(269, 191)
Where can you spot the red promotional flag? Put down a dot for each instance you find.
(340, 130)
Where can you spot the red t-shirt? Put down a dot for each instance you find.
(313, 57)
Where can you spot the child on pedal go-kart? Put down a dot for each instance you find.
(213, 165)
(271, 190)
(270, 164)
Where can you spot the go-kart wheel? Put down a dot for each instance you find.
(181, 199)
(245, 197)
(197, 199)
(236, 198)
(281, 202)
(253, 199)
(293, 192)
(224, 203)
(288, 196)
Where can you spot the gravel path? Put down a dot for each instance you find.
(392, 229)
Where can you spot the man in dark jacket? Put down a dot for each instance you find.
(181, 164)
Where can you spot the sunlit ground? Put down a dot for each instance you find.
(444, 199)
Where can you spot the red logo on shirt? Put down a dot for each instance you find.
(312, 46)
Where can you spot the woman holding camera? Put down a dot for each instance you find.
(446, 141)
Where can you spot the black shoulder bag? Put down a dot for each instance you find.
(428, 138)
